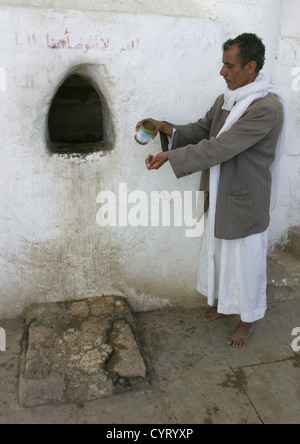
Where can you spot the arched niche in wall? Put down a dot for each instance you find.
(79, 119)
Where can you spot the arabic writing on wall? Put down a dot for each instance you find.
(68, 42)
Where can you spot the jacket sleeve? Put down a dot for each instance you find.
(189, 134)
(254, 125)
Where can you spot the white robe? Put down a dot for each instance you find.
(237, 278)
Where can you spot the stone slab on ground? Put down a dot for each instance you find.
(293, 244)
(76, 351)
(283, 276)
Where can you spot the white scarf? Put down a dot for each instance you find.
(237, 101)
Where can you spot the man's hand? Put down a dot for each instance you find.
(156, 122)
(163, 127)
(154, 163)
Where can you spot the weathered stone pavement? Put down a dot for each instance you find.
(95, 362)
(194, 377)
(78, 351)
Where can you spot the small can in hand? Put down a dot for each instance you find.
(145, 132)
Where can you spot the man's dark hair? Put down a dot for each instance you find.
(251, 48)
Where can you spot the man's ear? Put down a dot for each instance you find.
(251, 66)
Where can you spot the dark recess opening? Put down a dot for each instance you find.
(75, 119)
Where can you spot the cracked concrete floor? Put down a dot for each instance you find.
(195, 377)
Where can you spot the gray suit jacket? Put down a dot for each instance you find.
(245, 152)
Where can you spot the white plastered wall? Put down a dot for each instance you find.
(147, 60)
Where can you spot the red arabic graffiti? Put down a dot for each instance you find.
(68, 42)
(29, 39)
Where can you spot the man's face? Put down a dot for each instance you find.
(234, 74)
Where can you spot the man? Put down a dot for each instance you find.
(237, 146)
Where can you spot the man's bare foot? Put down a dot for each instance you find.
(241, 336)
(213, 315)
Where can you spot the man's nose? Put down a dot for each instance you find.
(223, 71)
